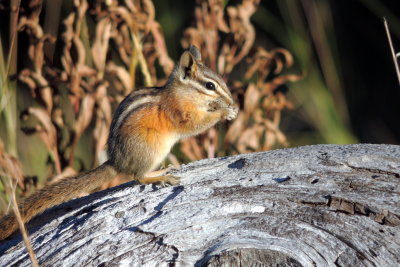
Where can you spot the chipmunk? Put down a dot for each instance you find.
(145, 126)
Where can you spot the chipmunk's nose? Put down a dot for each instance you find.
(230, 100)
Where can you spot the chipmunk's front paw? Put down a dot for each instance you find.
(227, 111)
(231, 113)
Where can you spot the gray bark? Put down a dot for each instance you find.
(324, 205)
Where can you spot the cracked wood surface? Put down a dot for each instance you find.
(323, 205)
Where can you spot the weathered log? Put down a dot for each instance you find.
(324, 205)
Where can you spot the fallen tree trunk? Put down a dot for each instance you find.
(324, 205)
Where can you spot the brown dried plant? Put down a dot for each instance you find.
(257, 125)
(109, 48)
(92, 75)
(225, 43)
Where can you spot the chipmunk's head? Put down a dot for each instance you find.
(196, 79)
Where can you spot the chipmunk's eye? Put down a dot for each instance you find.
(210, 86)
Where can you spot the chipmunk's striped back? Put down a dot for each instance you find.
(134, 102)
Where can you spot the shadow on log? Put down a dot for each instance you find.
(323, 205)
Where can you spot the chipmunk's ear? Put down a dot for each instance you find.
(188, 62)
(195, 52)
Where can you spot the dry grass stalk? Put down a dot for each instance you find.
(394, 55)
(22, 227)
(11, 175)
(10, 168)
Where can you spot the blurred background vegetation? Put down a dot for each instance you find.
(303, 72)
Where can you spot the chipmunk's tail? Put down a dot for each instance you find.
(55, 194)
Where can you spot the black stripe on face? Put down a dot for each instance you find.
(214, 80)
